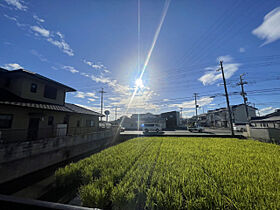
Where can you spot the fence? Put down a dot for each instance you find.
(20, 135)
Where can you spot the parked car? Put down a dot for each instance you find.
(196, 128)
(151, 127)
(240, 127)
(122, 129)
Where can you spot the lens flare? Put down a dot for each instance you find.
(139, 83)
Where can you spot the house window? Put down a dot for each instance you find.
(78, 123)
(33, 88)
(90, 123)
(6, 121)
(50, 92)
(50, 120)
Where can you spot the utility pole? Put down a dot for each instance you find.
(196, 106)
(228, 106)
(116, 114)
(102, 92)
(243, 94)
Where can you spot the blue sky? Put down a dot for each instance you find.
(92, 44)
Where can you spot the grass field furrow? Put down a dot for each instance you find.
(179, 173)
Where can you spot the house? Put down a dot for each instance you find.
(33, 107)
(220, 118)
(266, 127)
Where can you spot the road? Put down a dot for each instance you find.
(208, 131)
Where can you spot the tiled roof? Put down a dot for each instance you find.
(37, 106)
(33, 74)
(66, 108)
(269, 119)
(81, 110)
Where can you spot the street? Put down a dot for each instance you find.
(207, 131)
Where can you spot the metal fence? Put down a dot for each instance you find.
(21, 135)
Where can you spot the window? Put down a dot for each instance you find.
(90, 123)
(50, 92)
(33, 88)
(78, 123)
(50, 120)
(6, 121)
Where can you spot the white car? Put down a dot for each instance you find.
(196, 128)
(151, 127)
(240, 127)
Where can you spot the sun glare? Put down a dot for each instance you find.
(139, 83)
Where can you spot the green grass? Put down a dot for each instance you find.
(179, 173)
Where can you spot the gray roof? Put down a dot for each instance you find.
(81, 110)
(269, 119)
(37, 106)
(66, 108)
(33, 74)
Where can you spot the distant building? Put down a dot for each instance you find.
(136, 120)
(33, 107)
(172, 119)
(220, 118)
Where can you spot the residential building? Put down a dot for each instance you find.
(33, 107)
(266, 127)
(220, 118)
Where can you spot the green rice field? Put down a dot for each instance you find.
(178, 173)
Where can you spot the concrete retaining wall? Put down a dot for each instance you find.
(266, 134)
(18, 159)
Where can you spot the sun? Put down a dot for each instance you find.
(139, 83)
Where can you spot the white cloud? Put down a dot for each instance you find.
(70, 68)
(15, 20)
(18, 4)
(225, 58)
(94, 65)
(267, 110)
(269, 30)
(212, 75)
(90, 95)
(41, 31)
(92, 99)
(80, 94)
(55, 38)
(165, 99)
(12, 66)
(188, 113)
(242, 49)
(98, 66)
(93, 108)
(140, 101)
(38, 19)
(37, 54)
(61, 44)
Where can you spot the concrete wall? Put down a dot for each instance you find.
(18, 159)
(266, 134)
